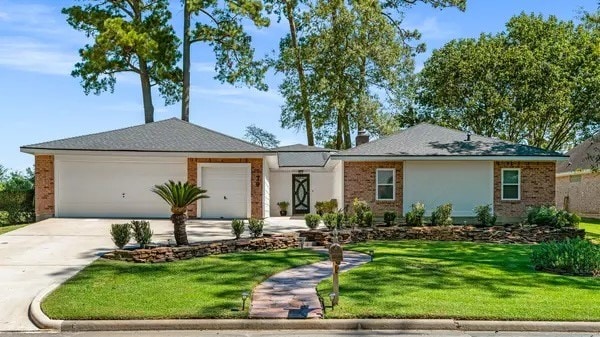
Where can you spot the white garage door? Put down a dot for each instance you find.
(464, 184)
(227, 187)
(113, 186)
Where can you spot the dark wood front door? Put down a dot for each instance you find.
(300, 193)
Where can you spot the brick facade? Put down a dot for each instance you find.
(537, 187)
(256, 181)
(44, 187)
(579, 193)
(360, 180)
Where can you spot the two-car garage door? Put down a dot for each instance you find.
(121, 187)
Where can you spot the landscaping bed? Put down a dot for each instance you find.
(208, 287)
(461, 280)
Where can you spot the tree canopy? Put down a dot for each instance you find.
(261, 137)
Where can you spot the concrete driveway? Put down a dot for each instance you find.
(51, 251)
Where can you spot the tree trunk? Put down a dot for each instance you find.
(185, 99)
(310, 139)
(179, 229)
(146, 92)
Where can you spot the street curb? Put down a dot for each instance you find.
(39, 318)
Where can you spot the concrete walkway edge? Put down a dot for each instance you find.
(39, 318)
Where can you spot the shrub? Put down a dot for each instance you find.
(414, 217)
(121, 234)
(389, 218)
(551, 216)
(255, 227)
(351, 221)
(442, 215)
(360, 207)
(485, 218)
(339, 219)
(18, 206)
(324, 207)
(141, 232)
(330, 221)
(312, 220)
(572, 256)
(237, 228)
(368, 218)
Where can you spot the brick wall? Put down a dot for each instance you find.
(256, 181)
(537, 187)
(44, 187)
(583, 192)
(359, 182)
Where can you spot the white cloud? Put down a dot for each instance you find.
(247, 99)
(203, 67)
(30, 55)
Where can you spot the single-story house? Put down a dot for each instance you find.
(578, 180)
(110, 174)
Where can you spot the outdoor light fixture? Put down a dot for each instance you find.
(332, 297)
(245, 295)
(302, 240)
(372, 254)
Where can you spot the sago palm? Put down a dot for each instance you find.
(179, 196)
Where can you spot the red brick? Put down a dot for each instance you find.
(44, 187)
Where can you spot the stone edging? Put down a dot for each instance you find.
(39, 318)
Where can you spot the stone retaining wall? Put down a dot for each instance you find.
(168, 254)
(497, 234)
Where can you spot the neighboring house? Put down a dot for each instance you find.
(110, 174)
(578, 179)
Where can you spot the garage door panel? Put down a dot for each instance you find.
(227, 187)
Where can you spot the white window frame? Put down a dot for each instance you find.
(518, 184)
(393, 184)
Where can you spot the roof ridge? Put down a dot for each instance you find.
(222, 134)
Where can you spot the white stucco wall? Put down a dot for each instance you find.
(321, 188)
(338, 183)
(465, 184)
(266, 190)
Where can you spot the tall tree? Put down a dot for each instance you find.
(261, 137)
(537, 83)
(128, 36)
(221, 25)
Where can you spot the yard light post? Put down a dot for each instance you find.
(333, 297)
(245, 295)
(302, 241)
(372, 254)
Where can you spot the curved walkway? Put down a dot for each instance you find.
(292, 293)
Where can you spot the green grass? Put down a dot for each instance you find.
(206, 287)
(416, 279)
(6, 229)
(592, 229)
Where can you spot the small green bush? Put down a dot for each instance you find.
(389, 218)
(237, 228)
(121, 234)
(551, 216)
(255, 227)
(312, 220)
(572, 256)
(414, 217)
(141, 232)
(368, 219)
(441, 216)
(339, 219)
(485, 218)
(324, 207)
(330, 221)
(360, 207)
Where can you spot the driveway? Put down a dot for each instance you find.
(51, 251)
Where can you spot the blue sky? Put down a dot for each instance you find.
(40, 101)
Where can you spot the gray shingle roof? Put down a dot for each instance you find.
(299, 155)
(170, 135)
(578, 156)
(432, 140)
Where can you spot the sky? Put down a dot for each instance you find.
(40, 101)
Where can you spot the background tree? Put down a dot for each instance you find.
(537, 83)
(128, 36)
(221, 25)
(261, 137)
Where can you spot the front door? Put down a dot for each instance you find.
(300, 193)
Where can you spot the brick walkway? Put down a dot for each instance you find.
(292, 293)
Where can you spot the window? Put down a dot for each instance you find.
(386, 184)
(511, 184)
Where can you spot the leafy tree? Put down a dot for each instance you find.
(128, 36)
(17, 181)
(179, 196)
(221, 25)
(537, 83)
(261, 137)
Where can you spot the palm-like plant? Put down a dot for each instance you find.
(179, 196)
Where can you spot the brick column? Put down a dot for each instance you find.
(44, 187)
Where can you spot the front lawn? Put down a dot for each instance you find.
(208, 287)
(417, 279)
(592, 229)
(6, 229)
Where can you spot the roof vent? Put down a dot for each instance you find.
(362, 137)
(468, 136)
